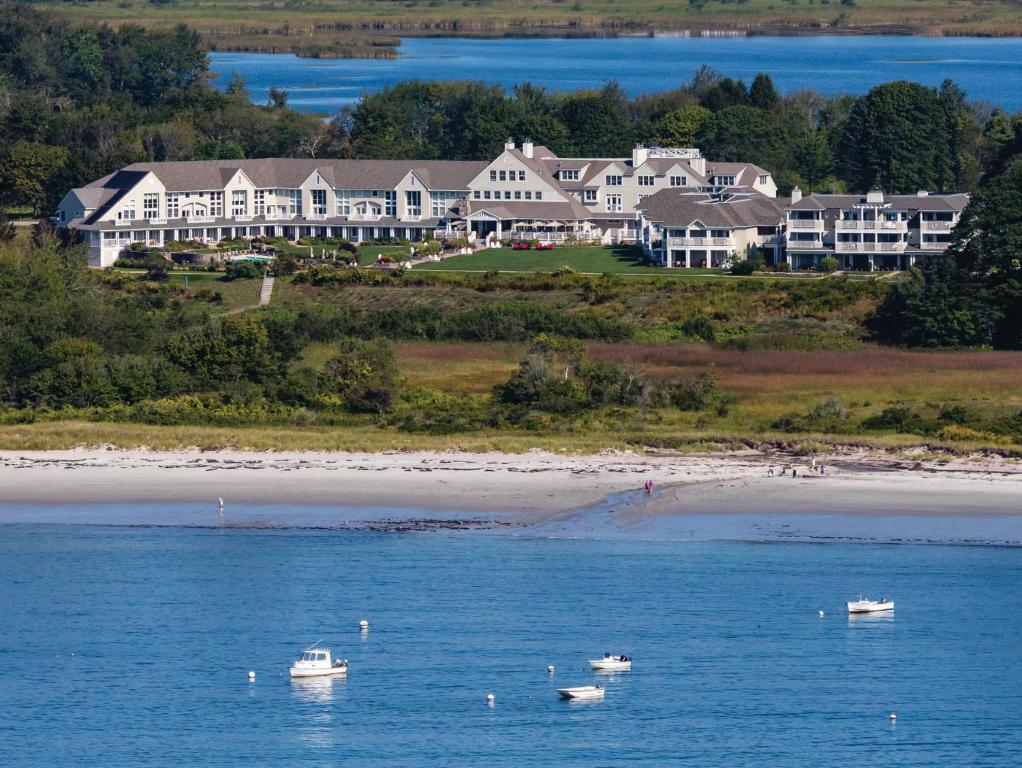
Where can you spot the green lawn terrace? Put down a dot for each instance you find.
(619, 259)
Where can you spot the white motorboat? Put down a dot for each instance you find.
(318, 662)
(582, 692)
(611, 663)
(863, 605)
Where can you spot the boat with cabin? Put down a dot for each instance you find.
(317, 661)
(864, 605)
(611, 663)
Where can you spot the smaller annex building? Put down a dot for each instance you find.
(875, 231)
(700, 229)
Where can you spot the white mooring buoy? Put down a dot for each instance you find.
(363, 624)
(893, 717)
(251, 674)
(550, 669)
(489, 699)
(821, 614)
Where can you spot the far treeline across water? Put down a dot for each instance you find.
(371, 358)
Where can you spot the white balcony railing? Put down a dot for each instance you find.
(805, 224)
(156, 220)
(119, 222)
(804, 245)
(366, 217)
(412, 217)
(200, 219)
(244, 217)
(700, 241)
(315, 217)
(937, 226)
(933, 246)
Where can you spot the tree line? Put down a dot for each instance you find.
(79, 101)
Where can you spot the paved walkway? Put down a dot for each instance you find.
(266, 291)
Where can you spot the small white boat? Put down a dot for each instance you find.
(611, 663)
(582, 692)
(863, 605)
(318, 662)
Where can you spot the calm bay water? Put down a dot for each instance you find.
(733, 666)
(988, 69)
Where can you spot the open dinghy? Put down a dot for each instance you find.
(862, 605)
(611, 663)
(318, 662)
(582, 692)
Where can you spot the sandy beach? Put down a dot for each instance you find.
(733, 494)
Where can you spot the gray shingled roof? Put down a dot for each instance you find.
(542, 209)
(180, 176)
(953, 201)
(674, 208)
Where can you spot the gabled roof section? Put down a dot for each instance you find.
(675, 208)
(291, 173)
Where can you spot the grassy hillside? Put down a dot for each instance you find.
(715, 361)
(358, 27)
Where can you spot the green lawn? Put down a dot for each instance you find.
(593, 259)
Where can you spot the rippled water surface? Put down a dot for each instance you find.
(733, 665)
(989, 69)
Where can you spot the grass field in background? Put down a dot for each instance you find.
(234, 19)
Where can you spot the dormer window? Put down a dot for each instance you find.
(724, 181)
(569, 175)
(679, 181)
(647, 181)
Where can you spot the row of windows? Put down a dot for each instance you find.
(507, 175)
(518, 194)
(645, 181)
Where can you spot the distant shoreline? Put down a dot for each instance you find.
(867, 497)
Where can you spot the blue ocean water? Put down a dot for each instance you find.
(989, 69)
(733, 665)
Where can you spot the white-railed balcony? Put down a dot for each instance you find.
(813, 224)
(933, 246)
(119, 222)
(200, 219)
(700, 242)
(412, 216)
(365, 217)
(850, 247)
(936, 226)
(156, 221)
(242, 217)
(860, 225)
(805, 245)
(315, 217)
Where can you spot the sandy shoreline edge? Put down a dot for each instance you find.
(533, 489)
